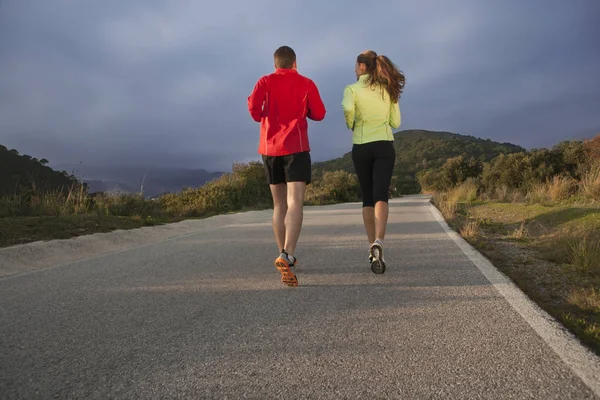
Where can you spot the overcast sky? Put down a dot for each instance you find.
(166, 81)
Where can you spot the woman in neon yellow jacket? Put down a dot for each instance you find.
(371, 111)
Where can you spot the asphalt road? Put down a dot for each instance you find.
(205, 316)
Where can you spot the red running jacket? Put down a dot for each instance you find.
(281, 102)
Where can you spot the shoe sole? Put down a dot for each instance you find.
(287, 276)
(378, 265)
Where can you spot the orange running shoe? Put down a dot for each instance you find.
(283, 263)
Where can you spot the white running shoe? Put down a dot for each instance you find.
(376, 253)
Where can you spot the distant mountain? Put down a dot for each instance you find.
(108, 186)
(154, 181)
(420, 150)
(19, 173)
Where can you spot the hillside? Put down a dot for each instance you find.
(23, 173)
(419, 150)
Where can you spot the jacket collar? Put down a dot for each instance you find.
(283, 71)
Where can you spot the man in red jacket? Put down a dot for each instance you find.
(281, 102)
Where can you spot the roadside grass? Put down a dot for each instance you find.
(590, 183)
(19, 230)
(470, 229)
(550, 250)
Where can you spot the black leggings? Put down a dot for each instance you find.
(374, 166)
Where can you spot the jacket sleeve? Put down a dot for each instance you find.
(348, 107)
(316, 108)
(395, 116)
(257, 98)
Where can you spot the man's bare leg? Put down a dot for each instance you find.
(294, 216)
(279, 193)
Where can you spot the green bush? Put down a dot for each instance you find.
(524, 170)
(572, 156)
(431, 181)
(334, 187)
(455, 171)
(244, 187)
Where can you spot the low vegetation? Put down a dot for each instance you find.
(30, 189)
(536, 215)
(32, 213)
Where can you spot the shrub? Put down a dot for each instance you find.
(12, 205)
(341, 185)
(334, 187)
(244, 187)
(585, 298)
(572, 157)
(255, 191)
(465, 192)
(590, 182)
(522, 170)
(560, 187)
(470, 229)
(591, 149)
(522, 231)
(585, 254)
(537, 194)
(431, 181)
(126, 205)
(446, 204)
(454, 171)
(501, 193)
(516, 196)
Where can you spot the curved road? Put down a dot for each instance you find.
(205, 316)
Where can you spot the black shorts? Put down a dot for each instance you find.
(291, 168)
(374, 166)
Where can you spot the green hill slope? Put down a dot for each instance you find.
(419, 150)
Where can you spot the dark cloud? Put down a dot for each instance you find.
(165, 82)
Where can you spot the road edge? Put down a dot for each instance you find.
(582, 361)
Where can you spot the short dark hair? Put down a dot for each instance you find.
(284, 57)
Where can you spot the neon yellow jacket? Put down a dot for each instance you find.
(370, 116)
